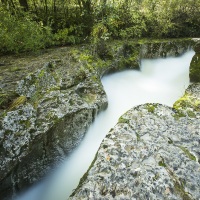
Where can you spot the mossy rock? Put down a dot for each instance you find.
(197, 47)
(6, 99)
(195, 68)
(187, 101)
(103, 50)
(17, 102)
(151, 107)
(123, 120)
(187, 153)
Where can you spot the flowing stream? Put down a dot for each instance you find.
(159, 81)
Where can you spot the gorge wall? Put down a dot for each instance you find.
(152, 152)
(45, 114)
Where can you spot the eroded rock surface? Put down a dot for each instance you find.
(195, 63)
(45, 123)
(152, 153)
(45, 109)
(165, 48)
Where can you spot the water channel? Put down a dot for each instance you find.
(159, 81)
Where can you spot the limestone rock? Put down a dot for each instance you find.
(165, 48)
(152, 153)
(195, 63)
(45, 114)
(38, 132)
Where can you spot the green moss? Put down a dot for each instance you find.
(3, 99)
(6, 99)
(14, 69)
(179, 189)
(18, 101)
(86, 57)
(187, 153)
(151, 108)
(41, 74)
(89, 98)
(195, 68)
(191, 114)
(164, 40)
(7, 132)
(179, 186)
(161, 163)
(178, 115)
(95, 78)
(138, 136)
(122, 120)
(184, 103)
(35, 99)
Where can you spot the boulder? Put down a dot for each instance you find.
(46, 122)
(152, 153)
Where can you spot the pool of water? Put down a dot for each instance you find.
(159, 81)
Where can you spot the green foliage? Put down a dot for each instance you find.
(175, 18)
(21, 33)
(29, 27)
(100, 32)
(71, 35)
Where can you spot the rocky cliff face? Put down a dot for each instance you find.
(195, 63)
(45, 123)
(165, 48)
(152, 153)
(46, 113)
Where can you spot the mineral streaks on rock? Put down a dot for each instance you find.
(150, 154)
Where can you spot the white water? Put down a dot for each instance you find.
(159, 81)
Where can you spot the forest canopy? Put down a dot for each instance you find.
(28, 25)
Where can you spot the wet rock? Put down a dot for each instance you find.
(38, 132)
(165, 48)
(45, 110)
(150, 154)
(195, 63)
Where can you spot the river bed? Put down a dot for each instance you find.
(159, 81)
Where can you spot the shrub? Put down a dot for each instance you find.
(20, 33)
(71, 35)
